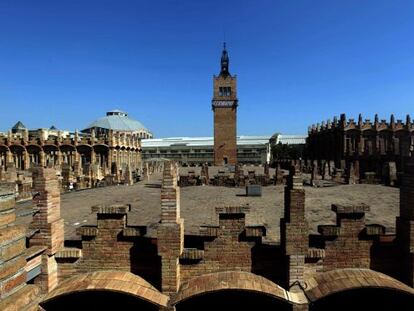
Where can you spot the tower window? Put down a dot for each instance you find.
(225, 91)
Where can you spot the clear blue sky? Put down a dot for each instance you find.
(298, 62)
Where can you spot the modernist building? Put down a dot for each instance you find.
(108, 146)
(118, 121)
(199, 150)
(366, 146)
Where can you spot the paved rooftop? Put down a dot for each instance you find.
(198, 205)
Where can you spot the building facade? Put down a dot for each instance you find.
(200, 150)
(224, 105)
(193, 151)
(362, 148)
(108, 147)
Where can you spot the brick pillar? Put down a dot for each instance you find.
(26, 159)
(405, 224)
(128, 176)
(48, 223)
(14, 294)
(42, 158)
(93, 156)
(9, 156)
(294, 230)
(325, 171)
(351, 174)
(205, 179)
(315, 172)
(170, 230)
(59, 158)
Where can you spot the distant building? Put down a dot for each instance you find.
(363, 148)
(199, 150)
(118, 121)
(108, 146)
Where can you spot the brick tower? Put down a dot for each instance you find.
(224, 105)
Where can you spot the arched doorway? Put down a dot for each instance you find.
(101, 155)
(85, 154)
(18, 152)
(3, 156)
(51, 155)
(34, 152)
(68, 154)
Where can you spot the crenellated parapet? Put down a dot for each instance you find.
(361, 124)
(377, 148)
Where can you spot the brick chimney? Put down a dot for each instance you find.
(48, 223)
(170, 230)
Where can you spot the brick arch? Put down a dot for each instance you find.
(94, 146)
(113, 281)
(341, 280)
(5, 147)
(68, 146)
(232, 280)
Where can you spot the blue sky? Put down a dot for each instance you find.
(298, 62)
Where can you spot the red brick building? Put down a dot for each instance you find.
(224, 105)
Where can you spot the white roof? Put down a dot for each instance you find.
(200, 141)
(292, 139)
(119, 121)
(209, 141)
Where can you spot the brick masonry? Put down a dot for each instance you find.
(405, 224)
(14, 293)
(225, 119)
(294, 229)
(173, 261)
(48, 225)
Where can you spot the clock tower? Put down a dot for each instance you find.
(224, 106)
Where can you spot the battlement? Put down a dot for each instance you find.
(364, 125)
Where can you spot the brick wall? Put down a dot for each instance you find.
(231, 246)
(405, 224)
(225, 132)
(113, 245)
(226, 251)
(14, 293)
(346, 245)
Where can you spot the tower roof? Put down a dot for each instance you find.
(19, 126)
(224, 61)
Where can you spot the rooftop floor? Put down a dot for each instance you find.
(198, 205)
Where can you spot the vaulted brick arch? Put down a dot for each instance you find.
(341, 280)
(109, 281)
(236, 281)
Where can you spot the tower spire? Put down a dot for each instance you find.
(224, 61)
